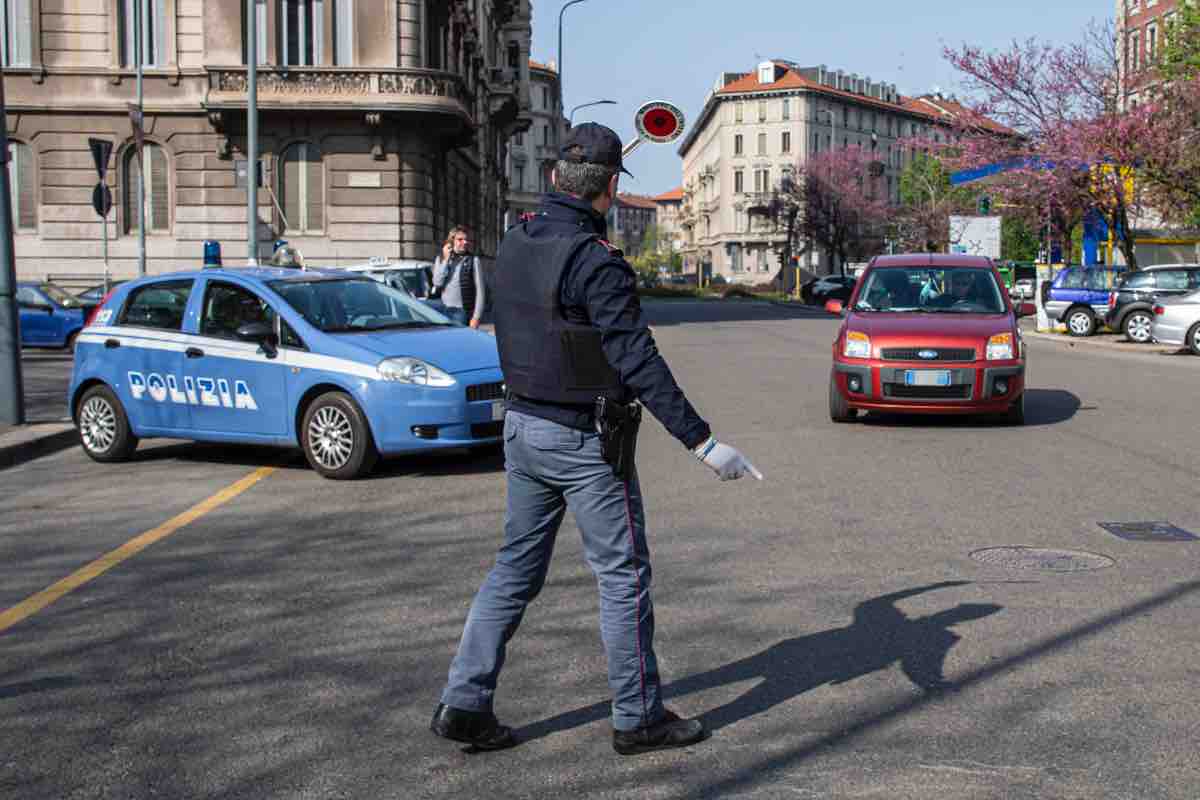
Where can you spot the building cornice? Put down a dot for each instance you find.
(715, 99)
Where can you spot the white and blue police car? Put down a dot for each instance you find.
(342, 366)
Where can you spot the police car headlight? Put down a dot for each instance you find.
(415, 371)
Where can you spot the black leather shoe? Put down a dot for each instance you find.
(670, 731)
(480, 729)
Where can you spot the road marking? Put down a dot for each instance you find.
(35, 603)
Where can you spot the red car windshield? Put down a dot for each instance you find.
(949, 290)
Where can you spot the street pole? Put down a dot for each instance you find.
(12, 387)
(139, 46)
(571, 116)
(251, 133)
(561, 11)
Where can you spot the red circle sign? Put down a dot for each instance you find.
(659, 121)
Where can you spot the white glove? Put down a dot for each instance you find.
(726, 461)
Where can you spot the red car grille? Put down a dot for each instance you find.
(943, 353)
(899, 390)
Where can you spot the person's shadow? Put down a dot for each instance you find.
(879, 636)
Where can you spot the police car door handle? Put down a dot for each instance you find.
(111, 343)
(194, 352)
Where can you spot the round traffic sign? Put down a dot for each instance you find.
(659, 121)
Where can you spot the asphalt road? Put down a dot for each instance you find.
(830, 623)
(46, 374)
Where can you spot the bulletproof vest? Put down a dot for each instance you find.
(545, 356)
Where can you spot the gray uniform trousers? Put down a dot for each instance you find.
(551, 468)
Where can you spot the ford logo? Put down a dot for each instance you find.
(927, 354)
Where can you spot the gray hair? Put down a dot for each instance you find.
(583, 179)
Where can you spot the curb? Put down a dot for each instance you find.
(34, 441)
(1100, 344)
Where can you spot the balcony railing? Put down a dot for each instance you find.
(316, 88)
(709, 206)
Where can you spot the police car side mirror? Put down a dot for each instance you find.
(261, 334)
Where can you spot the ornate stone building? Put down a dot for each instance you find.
(382, 123)
(532, 153)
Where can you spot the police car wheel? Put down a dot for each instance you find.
(103, 427)
(336, 439)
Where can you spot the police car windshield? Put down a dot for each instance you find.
(356, 305)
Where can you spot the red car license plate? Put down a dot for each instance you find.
(926, 377)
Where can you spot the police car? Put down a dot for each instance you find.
(342, 366)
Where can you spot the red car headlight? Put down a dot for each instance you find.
(1000, 347)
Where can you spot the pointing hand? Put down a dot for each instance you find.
(728, 462)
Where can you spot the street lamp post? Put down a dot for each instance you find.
(832, 146)
(140, 23)
(571, 116)
(560, 63)
(251, 133)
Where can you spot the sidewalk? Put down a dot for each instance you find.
(21, 443)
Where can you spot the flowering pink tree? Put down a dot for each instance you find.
(1074, 146)
(840, 203)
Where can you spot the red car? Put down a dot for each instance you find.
(929, 334)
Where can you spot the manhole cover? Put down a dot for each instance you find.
(1042, 558)
(1148, 531)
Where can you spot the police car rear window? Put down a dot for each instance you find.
(157, 305)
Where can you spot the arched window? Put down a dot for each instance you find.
(302, 188)
(153, 22)
(23, 183)
(156, 186)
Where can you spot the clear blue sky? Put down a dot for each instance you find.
(632, 51)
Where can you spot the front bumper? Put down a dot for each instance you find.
(973, 388)
(409, 419)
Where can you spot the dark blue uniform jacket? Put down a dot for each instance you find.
(601, 287)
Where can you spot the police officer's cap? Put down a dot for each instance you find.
(592, 143)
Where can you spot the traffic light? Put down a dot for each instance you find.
(985, 205)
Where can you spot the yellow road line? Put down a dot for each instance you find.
(35, 603)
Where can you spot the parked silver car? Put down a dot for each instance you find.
(1177, 321)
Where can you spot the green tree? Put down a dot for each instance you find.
(927, 201)
(1018, 242)
(1180, 55)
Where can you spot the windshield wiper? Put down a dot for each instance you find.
(409, 324)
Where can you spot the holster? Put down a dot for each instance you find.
(618, 425)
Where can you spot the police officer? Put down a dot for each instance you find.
(570, 330)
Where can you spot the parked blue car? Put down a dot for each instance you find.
(49, 316)
(344, 367)
(1078, 297)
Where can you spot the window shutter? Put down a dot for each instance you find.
(25, 186)
(314, 190)
(133, 177)
(290, 191)
(160, 210)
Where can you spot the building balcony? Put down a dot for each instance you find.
(308, 89)
(546, 152)
(709, 206)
